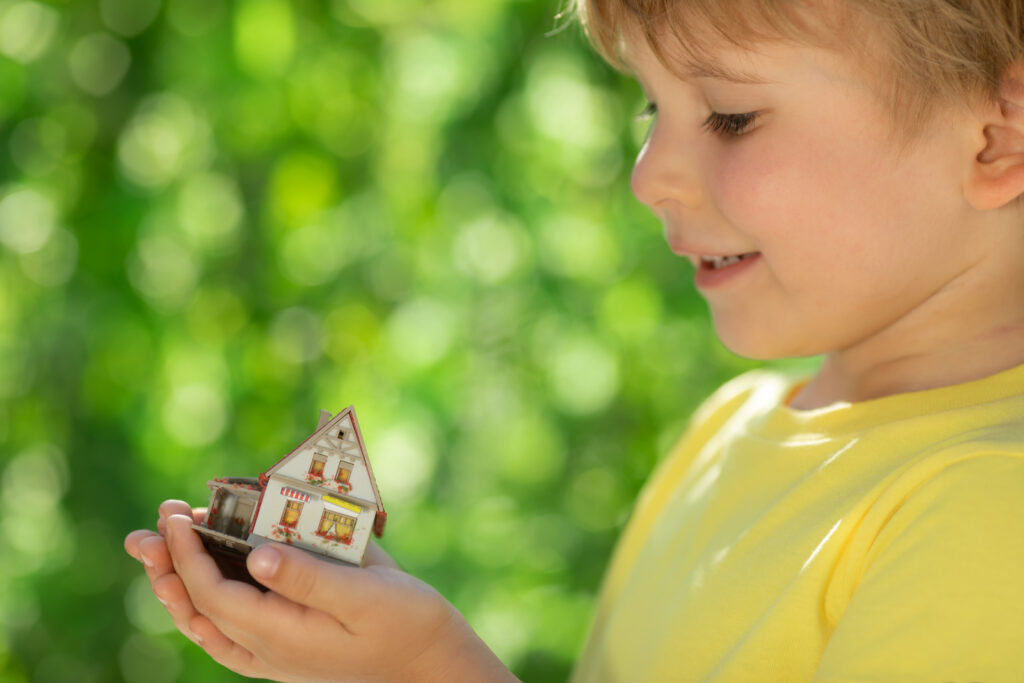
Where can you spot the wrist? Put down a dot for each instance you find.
(459, 654)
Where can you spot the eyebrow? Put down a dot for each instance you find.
(691, 67)
(719, 73)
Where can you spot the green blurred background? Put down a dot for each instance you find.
(218, 217)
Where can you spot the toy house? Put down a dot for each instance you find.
(322, 497)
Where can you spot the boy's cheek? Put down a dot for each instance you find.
(781, 189)
(753, 187)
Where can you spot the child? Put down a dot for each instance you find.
(846, 178)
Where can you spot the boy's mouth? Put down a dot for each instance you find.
(719, 262)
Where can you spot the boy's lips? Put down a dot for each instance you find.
(716, 273)
(694, 252)
(713, 267)
(698, 255)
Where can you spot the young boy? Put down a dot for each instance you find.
(846, 179)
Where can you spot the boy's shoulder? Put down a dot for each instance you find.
(753, 391)
(738, 400)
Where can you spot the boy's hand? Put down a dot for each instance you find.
(151, 549)
(321, 622)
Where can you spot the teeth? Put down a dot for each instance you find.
(721, 261)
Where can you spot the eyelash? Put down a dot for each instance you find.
(729, 125)
(724, 125)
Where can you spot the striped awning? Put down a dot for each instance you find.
(297, 495)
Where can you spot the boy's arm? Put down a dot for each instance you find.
(319, 622)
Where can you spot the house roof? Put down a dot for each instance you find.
(323, 431)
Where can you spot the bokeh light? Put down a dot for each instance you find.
(98, 62)
(165, 138)
(27, 218)
(26, 29)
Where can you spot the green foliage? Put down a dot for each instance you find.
(217, 218)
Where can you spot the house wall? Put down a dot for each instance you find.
(304, 534)
(298, 467)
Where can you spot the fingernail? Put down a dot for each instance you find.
(264, 562)
(145, 560)
(162, 601)
(195, 638)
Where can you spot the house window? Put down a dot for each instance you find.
(292, 510)
(317, 466)
(341, 434)
(336, 527)
(344, 473)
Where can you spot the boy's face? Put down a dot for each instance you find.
(847, 237)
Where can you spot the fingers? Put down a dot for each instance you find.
(172, 594)
(346, 592)
(289, 572)
(166, 585)
(170, 590)
(197, 569)
(254, 620)
(234, 607)
(226, 651)
(132, 540)
(178, 507)
(167, 508)
(153, 553)
(152, 550)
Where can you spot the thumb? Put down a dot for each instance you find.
(303, 578)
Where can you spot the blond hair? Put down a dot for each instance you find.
(925, 53)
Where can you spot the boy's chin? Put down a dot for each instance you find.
(759, 344)
(754, 352)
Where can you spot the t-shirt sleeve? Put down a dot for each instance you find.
(942, 593)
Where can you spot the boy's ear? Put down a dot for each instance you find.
(997, 175)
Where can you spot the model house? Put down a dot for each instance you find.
(321, 497)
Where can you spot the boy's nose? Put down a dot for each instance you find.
(664, 173)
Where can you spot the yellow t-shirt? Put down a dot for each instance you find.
(873, 541)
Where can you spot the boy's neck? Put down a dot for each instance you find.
(972, 329)
(833, 383)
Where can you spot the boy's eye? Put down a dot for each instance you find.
(648, 111)
(729, 125)
(725, 125)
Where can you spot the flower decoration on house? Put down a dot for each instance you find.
(285, 534)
